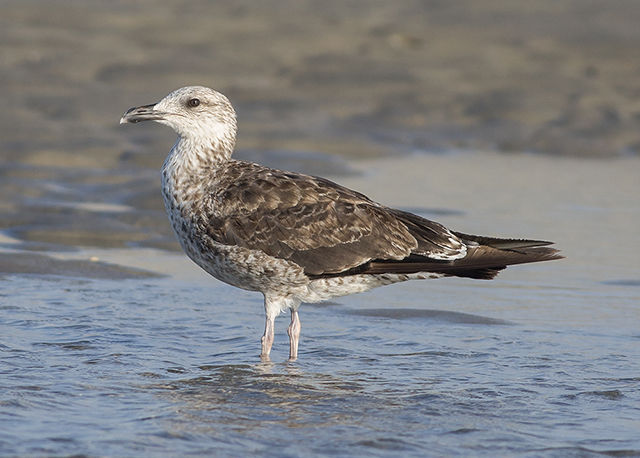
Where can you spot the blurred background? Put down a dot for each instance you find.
(498, 117)
(346, 79)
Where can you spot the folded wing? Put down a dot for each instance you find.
(325, 228)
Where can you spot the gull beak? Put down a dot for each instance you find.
(143, 113)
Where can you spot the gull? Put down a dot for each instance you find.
(293, 237)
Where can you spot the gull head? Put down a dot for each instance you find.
(196, 113)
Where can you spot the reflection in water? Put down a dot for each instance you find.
(275, 385)
(253, 399)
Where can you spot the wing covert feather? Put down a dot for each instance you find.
(323, 227)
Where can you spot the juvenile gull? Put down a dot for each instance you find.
(293, 237)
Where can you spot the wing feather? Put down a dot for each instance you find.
(322, 226)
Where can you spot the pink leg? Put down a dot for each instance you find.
(294, 335)
(267, 338)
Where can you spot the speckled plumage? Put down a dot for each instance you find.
(294, 237)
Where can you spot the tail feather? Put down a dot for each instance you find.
(486, 257)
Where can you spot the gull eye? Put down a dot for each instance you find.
(192, 103)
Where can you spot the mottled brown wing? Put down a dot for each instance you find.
(323, 227)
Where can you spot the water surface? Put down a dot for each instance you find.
(144, 354)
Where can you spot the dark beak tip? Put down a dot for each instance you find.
(125, 119)
(135, 115)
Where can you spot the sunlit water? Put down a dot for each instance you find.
(545, 360)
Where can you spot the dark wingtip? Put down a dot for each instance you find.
(503, 244)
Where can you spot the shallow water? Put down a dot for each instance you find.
(143, 354)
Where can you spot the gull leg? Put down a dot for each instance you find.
(267, 338)
(272, 307)
(294, 335)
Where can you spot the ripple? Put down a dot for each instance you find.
(387, 443)
(77, 345)
(612, 395)
(622, 282)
